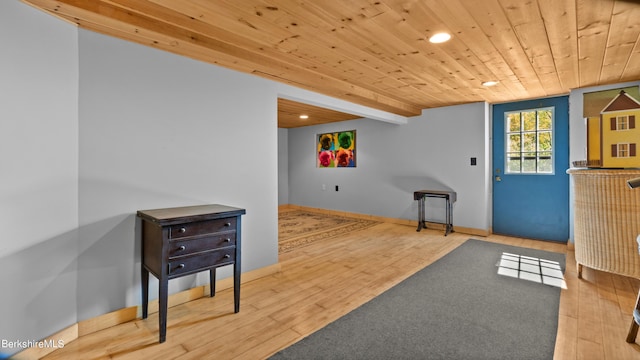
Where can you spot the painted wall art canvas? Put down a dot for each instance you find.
(336, 149)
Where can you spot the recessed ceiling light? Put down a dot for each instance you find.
(303, 117)
(490, 83)
(440, 38)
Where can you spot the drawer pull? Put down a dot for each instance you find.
(180, 266)
(181, 248)
(183, 229)
(226, 256)
(227, 240)
(227, 224)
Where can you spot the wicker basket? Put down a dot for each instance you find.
(606, 220)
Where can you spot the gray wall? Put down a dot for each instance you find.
(39, 174)
(283, 166)
(432, 151)
(159, 130)
(414, 156)
(94, 129)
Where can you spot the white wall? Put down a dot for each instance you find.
(432, 151)
(38, 172)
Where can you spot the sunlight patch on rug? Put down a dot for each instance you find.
(300, 228)
(532, 269)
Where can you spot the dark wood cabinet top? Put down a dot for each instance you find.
(417, 195)
(177, 215)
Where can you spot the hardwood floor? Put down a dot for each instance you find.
(323, 281)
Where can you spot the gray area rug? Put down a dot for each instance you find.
(456, 308)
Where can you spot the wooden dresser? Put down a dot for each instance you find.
(186, 240)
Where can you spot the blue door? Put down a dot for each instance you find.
(530, 159)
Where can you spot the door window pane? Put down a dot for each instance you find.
(529, 120)
(544, 141)
(544, 162)
(514, 143)
(529, 145)
(529, 162)
(513, 164)
(513, 121)
(544, 120)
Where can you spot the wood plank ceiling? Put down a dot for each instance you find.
(376, 52)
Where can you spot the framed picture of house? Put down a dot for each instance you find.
(612, 133)
(336, 149)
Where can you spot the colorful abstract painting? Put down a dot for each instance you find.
(337, 149)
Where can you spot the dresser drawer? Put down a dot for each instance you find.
(201, 227)
(202, 261)
(185, 247)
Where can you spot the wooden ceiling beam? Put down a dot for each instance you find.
(106, 15)
(289, 114)
(376, 53)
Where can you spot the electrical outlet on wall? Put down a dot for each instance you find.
(324, 187)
